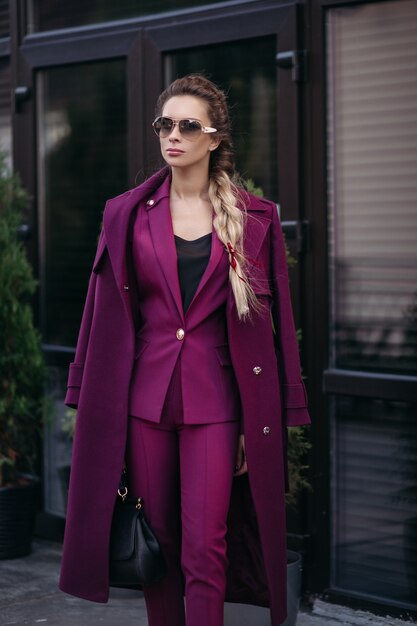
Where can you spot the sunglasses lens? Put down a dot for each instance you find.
(163, 126)
(190, 129)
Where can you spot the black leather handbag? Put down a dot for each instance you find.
(136, 557)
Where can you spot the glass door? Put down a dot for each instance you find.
(372, 380)
(80, 155)
(81, 161)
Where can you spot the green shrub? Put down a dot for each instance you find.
(21, 361)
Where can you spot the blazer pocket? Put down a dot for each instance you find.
(140, 346)
(223, 355)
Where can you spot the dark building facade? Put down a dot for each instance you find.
(323, 100)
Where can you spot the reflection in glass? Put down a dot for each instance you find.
(5, 110)
(374, 496)
(249, 79)
(51, 14)
(4, 18)
(372, 148)
(82, 161)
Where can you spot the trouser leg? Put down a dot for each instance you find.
(207, 458)
(153, 470)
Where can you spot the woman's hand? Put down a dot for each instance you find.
(240, 464)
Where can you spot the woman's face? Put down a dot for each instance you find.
(178, 151)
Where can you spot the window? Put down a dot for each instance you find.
(372, 187)
(5, 109)
(82, 161)
(4, 18)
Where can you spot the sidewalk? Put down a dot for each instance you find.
(29, 595)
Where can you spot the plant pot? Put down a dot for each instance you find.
(294, 571)
(18, 505)
(249, 615)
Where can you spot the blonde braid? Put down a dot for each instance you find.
(229, 225)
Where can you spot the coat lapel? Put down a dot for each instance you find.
(116, 220)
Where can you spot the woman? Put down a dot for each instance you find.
(179, 373)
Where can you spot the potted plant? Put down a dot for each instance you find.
(21, 377)
(67, 425)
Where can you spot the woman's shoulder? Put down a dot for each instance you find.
(143, 190)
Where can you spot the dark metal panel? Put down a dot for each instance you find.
(135, 107)
(255, 23)
(110, 40)
(314, 312)
(153, 82)
(370, 385)
(76, 49)
(23, 124)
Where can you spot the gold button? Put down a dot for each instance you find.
(180, 334)
(266, 430)
(257, 370)
(150, 202)
(126, 287)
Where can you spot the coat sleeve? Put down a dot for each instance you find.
(294, 394)
(76, 368)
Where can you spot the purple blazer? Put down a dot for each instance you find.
(267, 371)
(199, 338)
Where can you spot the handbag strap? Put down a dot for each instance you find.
(123, 490)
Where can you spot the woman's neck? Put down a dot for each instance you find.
(186, 184)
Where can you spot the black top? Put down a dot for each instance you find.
(193, 257)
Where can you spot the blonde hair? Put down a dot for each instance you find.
(224, 195)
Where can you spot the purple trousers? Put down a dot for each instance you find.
(184, 474)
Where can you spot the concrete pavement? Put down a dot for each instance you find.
(29, 595)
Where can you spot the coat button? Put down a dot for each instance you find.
(126, 287)
(180, 334)
(150, 202)
(266, 430)
(257, 370)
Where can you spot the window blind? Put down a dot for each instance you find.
(372, 147)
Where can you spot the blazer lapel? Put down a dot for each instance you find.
(160, 224)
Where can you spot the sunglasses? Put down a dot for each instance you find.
(189, 128)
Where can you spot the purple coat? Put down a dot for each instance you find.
(98, 385)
